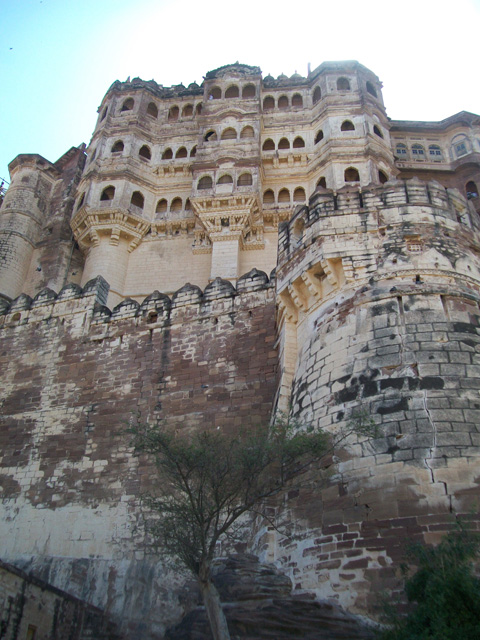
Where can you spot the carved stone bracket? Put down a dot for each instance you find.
(89, 225)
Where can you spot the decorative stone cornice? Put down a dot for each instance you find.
(88, 225)
(228, 217)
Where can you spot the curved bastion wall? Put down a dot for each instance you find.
(378, 292)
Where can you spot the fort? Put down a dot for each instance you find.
(218, 253)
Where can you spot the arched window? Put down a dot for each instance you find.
(299, 195)
(297, 231)
(181, 153)
(247, 132)
(104, 114)
(343, 84)
(377, 131)
(173, 113)
(317, 94)
(435, 152)
(81, 201)
(176, 205)
(162, 206)
(382, 176)
(351, 175)
(187, 111)
(248, 91)
(268, 103)
(152, 110)
(401, 151)
(229, 134)
(210, 136)
(284, 196)
(297, 101)
(145, 152)
(167, 154)
(232, 92)
(205, 183)
(298, 143)
(471, 189)
(137, 199)
(127, 105)
(245, 180)
(319, 136)
(193, 152)
(460, 145)
(418, 152)
(371, 89)
(283, 102)
(215, 93)
(347, 125)
(108, 194)
(118, 147)
(284, 144)
(268, 197)
(225, 179)
(198, 109)
(188, 205)
(268, 145)
(322, 182)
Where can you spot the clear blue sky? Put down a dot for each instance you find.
(58, 57)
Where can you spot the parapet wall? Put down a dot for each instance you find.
(74, 374)
(379, 295)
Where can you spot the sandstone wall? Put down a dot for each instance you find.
(380, 313)
(73, 375)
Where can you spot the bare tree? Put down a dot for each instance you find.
(208, 480)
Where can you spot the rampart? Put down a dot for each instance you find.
(379, 318)
(74, 374)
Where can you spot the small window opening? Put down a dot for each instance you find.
(377, 131)
(284, 144)
(248, 91)
(297, 101)
(435, 152)
(229, 134)
(137, 199)
(210, 136)
(108, 194)
(145, 152)
(371, 89)
(167, 154)
(283, 102)
(351, 175)
(268, 104)
(471, 189)
(225, 179)
(401, 151)
(205, 183)
(343, 84)
(81, 201)
(284, 195)
(268, 197)
(152, 110)
(176, 205)
(193, 152)
(347, 125)
(317, 94)
(268, 145)
(173, 114)
(118, 147)
(162, 206)
(299, 195)
(232, 92)
(198, 109)
(298, 143)
(215, 93)
(245, 180)
(382, 176)
(181, 153)
(319, 136)
(188, 205)
(187, 111)
(322, 182)
(127, 105)
(418, 151)
(247, 132)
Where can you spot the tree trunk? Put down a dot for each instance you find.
(211, 600)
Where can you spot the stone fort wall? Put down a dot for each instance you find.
(74, 374)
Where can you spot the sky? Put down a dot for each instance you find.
(59, 57)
